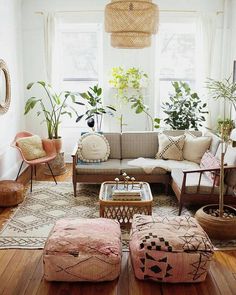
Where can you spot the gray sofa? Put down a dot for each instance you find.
(131, 145)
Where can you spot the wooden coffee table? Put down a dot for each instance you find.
(124, 210)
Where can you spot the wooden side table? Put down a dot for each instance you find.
(124, 210)
(58, 165)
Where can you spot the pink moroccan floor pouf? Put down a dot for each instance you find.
(169, 249)
(83, 250)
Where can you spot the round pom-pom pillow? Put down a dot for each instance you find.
(93, 147)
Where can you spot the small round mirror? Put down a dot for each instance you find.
(5, 91)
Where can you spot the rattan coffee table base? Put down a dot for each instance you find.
(123, 211)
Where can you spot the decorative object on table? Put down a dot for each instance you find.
(125, 206)
(184, 109)
(5, 87)
(57, 165)
(53, 106)
(93, 148)
(130, 85)
(49, 152)
(131, 23)
(82, 250)
(11, 193)
(169, 249)
(213, 218)
(95, 108)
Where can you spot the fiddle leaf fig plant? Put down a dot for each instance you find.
(51, 107)
(92, 100)
(184, 109)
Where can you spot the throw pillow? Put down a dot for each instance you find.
(93, 147)
(210, 161)
(31, 147)
(170, 147)
(195, 147)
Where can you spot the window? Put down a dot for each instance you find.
(177, 56)
(80, 59)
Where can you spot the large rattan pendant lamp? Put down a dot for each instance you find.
(131, 23)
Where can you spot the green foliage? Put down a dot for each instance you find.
(123, 80)
(134, 79)
(222, 89)
(184, 109)
(53, 109)
(224, 127)
(95, 108)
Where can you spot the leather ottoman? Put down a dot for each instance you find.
(169, 249)
(11, 193)
(83, 250)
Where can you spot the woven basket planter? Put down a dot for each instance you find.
(131, 23)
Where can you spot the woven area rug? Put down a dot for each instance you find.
(30, 224)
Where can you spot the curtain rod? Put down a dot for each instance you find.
(161, 10)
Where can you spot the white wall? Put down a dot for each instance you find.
(11, 51)
(34, 68)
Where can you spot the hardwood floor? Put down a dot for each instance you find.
(21, 272)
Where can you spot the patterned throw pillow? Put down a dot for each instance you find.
(170, 147)
(31, 147)
(210, 161)
(93, 147)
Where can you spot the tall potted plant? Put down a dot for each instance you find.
(92, 100)
(216, 222)
(52, 107)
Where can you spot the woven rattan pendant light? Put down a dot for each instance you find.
(131, 23)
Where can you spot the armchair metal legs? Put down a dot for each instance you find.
(19, 170)
(51, 172)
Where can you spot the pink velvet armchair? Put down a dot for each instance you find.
(49, 148)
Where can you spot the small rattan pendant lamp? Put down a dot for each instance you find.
(131, 23)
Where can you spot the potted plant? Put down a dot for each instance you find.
(184, 109)
(53, 106)
(94, 108)
(129, 85)
(219, 220)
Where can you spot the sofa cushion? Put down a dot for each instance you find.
(192, 180)
(93, 147)
(139, 144)
(215, 142)
(133, 170)
(111, 166)
(195, 147)
(114, 140)
(170, 147)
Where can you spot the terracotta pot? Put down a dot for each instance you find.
(58, 144)
(217, 227)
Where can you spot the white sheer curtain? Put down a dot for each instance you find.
(208, 59)
(213, 50)
(49, 46)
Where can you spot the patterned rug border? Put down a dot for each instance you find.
(36, 242)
